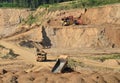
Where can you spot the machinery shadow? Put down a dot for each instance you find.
(46, 42)
(48, 60)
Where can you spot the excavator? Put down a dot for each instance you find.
(41, 55)
(69, 20)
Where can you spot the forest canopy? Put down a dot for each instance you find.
(36, 3)
(27, 3)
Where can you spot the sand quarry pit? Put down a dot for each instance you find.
(93, 49)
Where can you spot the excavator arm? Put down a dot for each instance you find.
(40, 54)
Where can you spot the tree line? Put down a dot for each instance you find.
(27, 3)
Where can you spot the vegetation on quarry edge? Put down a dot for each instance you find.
(54, 4)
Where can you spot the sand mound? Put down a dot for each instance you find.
(111, 62)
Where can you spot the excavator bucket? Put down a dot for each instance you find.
(60, 64)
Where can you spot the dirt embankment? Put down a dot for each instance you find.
(84, 36)
(10, 19)
(101, 29)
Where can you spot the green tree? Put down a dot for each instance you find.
(51, 1)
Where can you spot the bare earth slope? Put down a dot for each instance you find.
(86, 45)
(10, 19)
(101, 29)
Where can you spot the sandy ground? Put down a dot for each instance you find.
(86, 68)
(24, 69)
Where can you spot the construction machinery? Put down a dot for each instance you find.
(60, 65)
(41, 55)
(69, 20)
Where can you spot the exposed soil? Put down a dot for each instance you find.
(87, 47)
(24, 69)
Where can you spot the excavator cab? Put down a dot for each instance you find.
(67, 21)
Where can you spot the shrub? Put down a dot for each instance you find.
(73, 63)
(105, 57)
(10, 55)
(6, 53)
(31, 19)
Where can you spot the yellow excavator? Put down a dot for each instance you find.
(40, 54)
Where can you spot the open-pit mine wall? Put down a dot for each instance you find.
(102, 29)
(84, 37)
(10, 19)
